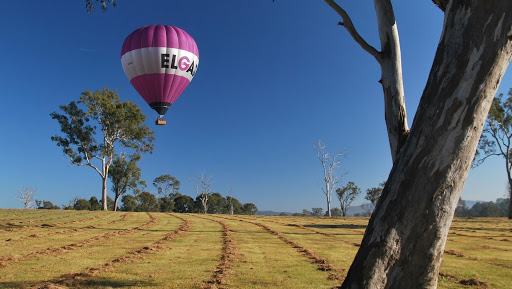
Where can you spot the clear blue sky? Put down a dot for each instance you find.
(272, 79)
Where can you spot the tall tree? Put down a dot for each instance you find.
(184, 204)
(346, 195)
(129, 203)
(125, 175)
(26, 196)
(496, 139)
(373, 195)
(329, 164)
(405, 238)
(95, 204)
(249, 209)
(146, 202)
(203, 185)
(120, 124)
(233, 206)
(217, 204)
(167, 185)
(317, 212)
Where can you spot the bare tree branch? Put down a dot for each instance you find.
(329, 165)
(347, 23)
(26, 196)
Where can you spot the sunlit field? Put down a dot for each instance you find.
(93, 249)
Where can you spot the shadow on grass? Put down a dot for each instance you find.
(348, 226)
(95, 283)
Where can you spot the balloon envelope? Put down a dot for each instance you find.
(160, 61)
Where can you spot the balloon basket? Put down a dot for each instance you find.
(160, 122)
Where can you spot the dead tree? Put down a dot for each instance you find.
(329, 164)
(26, 196)
(203, 185)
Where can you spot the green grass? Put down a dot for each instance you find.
(139, 250)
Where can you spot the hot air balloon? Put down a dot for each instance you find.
(160, 61)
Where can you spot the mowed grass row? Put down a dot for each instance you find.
(480, 258)
(135, 250)
(16, 221)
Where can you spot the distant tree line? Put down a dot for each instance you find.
(346, 195)
(147, 202)
(499, 208)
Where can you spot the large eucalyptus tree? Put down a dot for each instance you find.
(404, 242)
(98, 124)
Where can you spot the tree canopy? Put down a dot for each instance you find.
(95, 126)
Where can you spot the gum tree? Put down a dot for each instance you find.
(346, 195)
(404, 242)
(125, 175)
(98, 124)
(330, 163)
(496, 139)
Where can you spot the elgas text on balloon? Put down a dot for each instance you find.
(183, 63)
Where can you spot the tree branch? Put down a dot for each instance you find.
(441, 4)
(347, 23)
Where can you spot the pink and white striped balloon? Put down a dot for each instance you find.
(160, 61)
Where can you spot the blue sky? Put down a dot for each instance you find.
(272, 79)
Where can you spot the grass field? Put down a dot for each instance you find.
(61, 249)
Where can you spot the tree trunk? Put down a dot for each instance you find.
(510, 199)
(391, 79)
(510, 196)
(116, 202)
(509, 178)
(329, 207)
(104, 193)
(405, 238)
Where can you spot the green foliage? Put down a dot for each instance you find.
(46, 205)
(496, 139)
(91, 4)
(249, 209)
(120, 122)
(184, 204)
(335, 212)
(129, 203)
(499, 208)
(497, 133)
(95, 205)
(166, 204)
(317, 212)
(233, 202)
(373, 194)
(306, 213)
(146, 202)
(125, 175)
(82, 204)
(96, 125)
(167, 185)
(346, 195)
(217, 204)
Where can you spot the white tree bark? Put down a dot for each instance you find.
(404, 241)
(26, 196)
(203, 186)
(389, 59)
(329, 165)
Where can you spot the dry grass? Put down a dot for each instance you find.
(58, 249)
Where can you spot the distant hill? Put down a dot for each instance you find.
(271, 213)
(470, 204)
